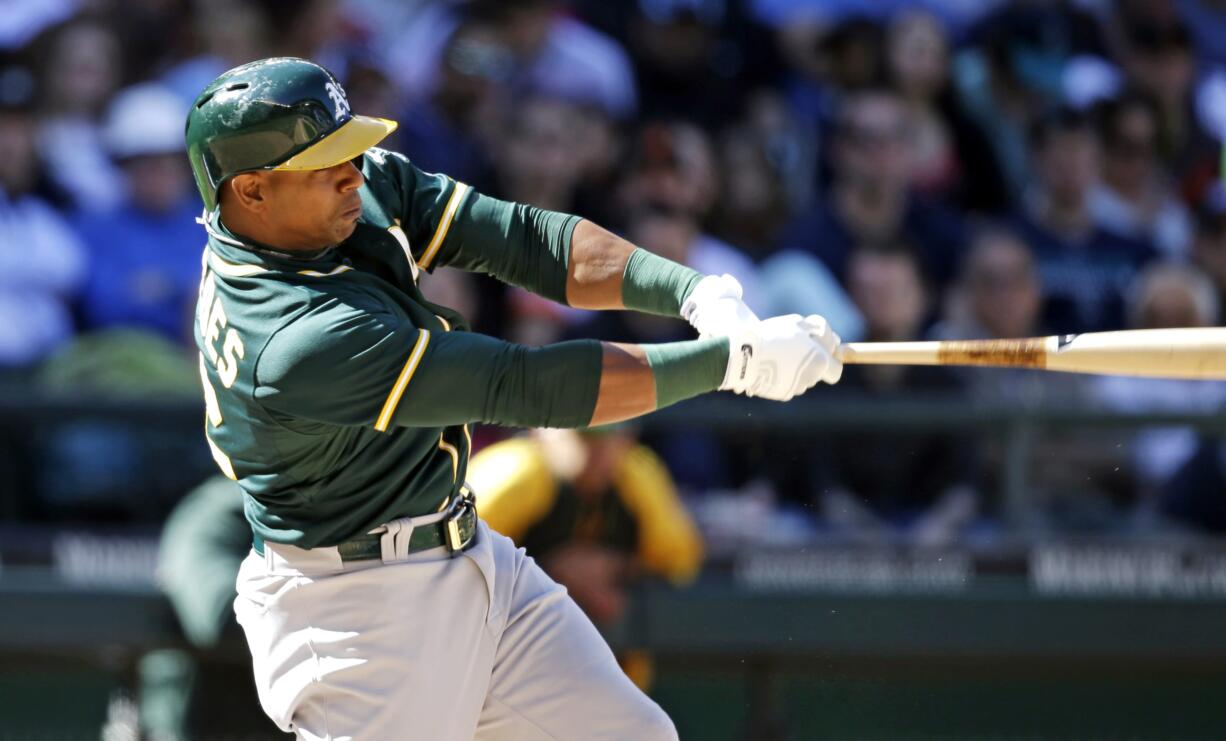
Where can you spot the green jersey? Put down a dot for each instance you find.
(336, 395)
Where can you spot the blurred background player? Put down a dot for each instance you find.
(597, 509)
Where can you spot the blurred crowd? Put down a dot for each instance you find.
(909, 169)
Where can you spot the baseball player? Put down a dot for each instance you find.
(375, 604)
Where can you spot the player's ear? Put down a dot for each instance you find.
(248, 189)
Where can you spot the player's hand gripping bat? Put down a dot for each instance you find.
(1159, 353)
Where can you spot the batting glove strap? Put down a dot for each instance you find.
(715, 308)
(782, 357)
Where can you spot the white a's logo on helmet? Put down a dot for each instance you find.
(338, 98)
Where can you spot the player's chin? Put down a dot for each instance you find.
(344, 229)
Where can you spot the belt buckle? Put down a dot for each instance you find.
(464, 505)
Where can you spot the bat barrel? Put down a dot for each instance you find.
(1159, 353)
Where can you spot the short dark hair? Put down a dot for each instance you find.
(899, 248)
(1109, 112)
(1061, 120)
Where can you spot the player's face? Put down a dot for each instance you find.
(314, 209)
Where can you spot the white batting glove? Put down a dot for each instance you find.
(782, 357)
(715, 308)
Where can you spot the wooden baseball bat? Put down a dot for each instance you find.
(1158, 353)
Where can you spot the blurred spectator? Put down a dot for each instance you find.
(41, 260)
(535, 158)
(1209, 243)
(671, 185)
(450, 129)
(1206, 19)
(796, 282)
(79, 66)
(152, 32)
(551, 53)
(1165, 296)
(951, 156)
(696, 59)
(828, 61)
(1158, 59)
(869, 201)
(782, 13)
(886, 483)
(1034, 40)
(1015, 68)
(23, 20)
(235, 32)
(670, 192)
(369, 87)
(230, 33)
(595, 508)
(997, 294)
(1134, 197)
(1084, 268)
(673, 168)
(143, 272)
(769, 162)
(313, 29)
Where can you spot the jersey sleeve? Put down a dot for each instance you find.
(357, 366)
(450, 224)
(669, 543)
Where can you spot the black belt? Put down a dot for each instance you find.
(457, 531)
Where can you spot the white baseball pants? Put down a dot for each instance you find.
(480, 646)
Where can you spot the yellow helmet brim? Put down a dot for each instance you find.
(351, 139)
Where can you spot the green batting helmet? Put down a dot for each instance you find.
(274, 114)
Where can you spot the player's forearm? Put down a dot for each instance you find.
(639, 379)
(607, 272)
(597, 262)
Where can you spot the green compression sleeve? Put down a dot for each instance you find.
(517, 244)
(655, 285)
(686, 369)
(469, 377)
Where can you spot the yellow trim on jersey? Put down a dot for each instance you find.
(406, 374)
(233, 269)
(455, 455)
(220, 458)
(402, 239)
(334, 271)
(444, 224)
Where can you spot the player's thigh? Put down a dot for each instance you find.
(554, 676)
(397, 651)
